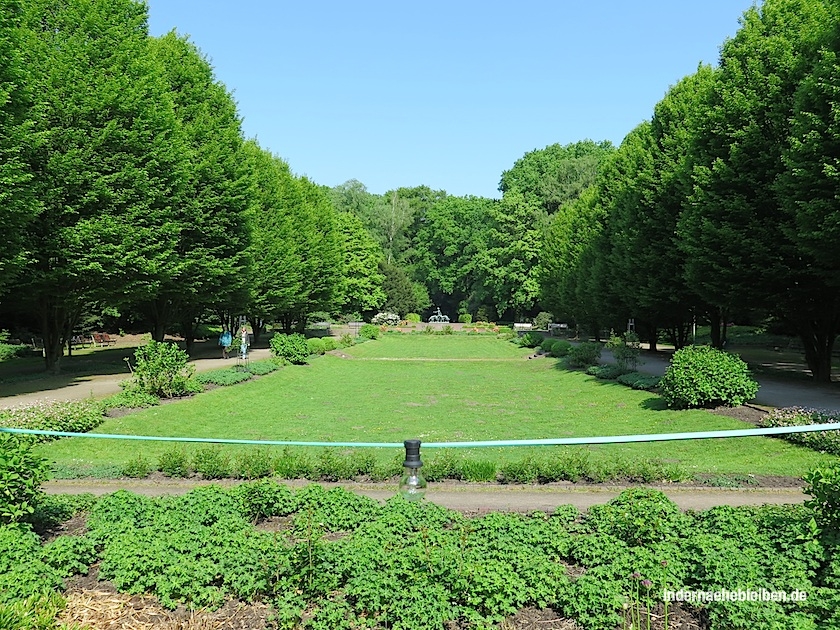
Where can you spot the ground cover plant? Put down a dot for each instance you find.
(424, 382)
(330, 559)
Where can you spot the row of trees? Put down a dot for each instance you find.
(725, 202)
(125, 182)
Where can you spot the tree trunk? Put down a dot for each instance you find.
(57, 322)
(818, 338)
(258, 325)
(715, 332)
(160, 312)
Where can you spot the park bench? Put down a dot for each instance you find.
(102, 339)
(80, 341)
(522, 327)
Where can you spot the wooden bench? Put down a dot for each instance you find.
(102, 339)
(80, 341)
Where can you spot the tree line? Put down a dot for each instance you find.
(126, 186)
(725, 203)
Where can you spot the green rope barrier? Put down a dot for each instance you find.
(609, 439)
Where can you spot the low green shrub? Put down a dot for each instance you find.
(638, 380)
(162, 369)
(446, 330)
(625, 350)
(329, 344)
(77, 416)
(174, 462)
(700, 376)
(290, 348)
(606, 372)
(560, 348)
(530, 339)
(261, 368)
(212, 463)
(23, 572)
(293, 465)
(639, 516)
(315, 346)
(136, 468)
(222, 377)
(825, 441)
(465, 318)
(369, 331)
(346, 340)
(412, 318)
(130, 399)
(584, 354)
(547, 344)
(264, 498)
(54, 509)
(13, 351)
(479, 470)
(254, 463)
(823, 485)
(21, 474)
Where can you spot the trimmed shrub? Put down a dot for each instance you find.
(223, 377)
(369, 331)
(825, 441)
(254, 463)
(212, 463)
(78, 416)
(412, 318)
(637, 380)
(136, 468)
(584, 354)
(290, 348)
(174, 463)
(605, 372)
(162, 369)
(315, 346)
(700, 376)
(385, 319)
(346, 340)
(329, 344)
(21, 474)
(530, 340)
(130, 399)
(465, 318)
(560, 348)
(542, 320)
(261, 368)
(547, 344)
(13, 351)
(446, 330)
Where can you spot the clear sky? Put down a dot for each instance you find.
(443, 93)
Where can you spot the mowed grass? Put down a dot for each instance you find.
(494, 394)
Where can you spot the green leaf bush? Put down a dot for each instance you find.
(560, 348)
(315, 345)
(530, 339)
(77, 416)
(369, 331)
(465, 318)
(174, 462)
(261, 368)
(21, 474)
(162, 370)
(584, 354)
(223, 377)
(606, 372)
(290, 348)
(639, 380)
(824, 441)
(330, 344)
(701, 376)
(542, 320)
(412, 318)
(13, 351)
(130, 399)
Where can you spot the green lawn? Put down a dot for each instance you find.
(410, 396)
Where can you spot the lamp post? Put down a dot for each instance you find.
(412, 483)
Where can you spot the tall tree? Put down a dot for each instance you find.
(734, 230)
(362, 288)
(17, 207)
(556, 174)
(106, 157)
(208, 272)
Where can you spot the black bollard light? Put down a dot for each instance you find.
(412, 483)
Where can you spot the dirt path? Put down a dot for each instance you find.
(466, 497)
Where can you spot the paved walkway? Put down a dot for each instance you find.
(773, 392)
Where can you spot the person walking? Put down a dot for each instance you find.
(225, 341)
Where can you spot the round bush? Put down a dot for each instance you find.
(465, 318)
(547, 344)
(315, 345)
(329, 344)
(700, 376)
(369, 331)
(560, 348)
(290, 348)
(412, 318)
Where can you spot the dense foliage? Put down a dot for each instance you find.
(825, 441)
(700, 376)
(340, 560)
(161, 369)
(290, 348)
(21, 475)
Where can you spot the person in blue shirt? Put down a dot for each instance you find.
(225, 341)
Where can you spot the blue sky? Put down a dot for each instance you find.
(446, 94)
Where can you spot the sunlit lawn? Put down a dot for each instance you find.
(495, 394)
